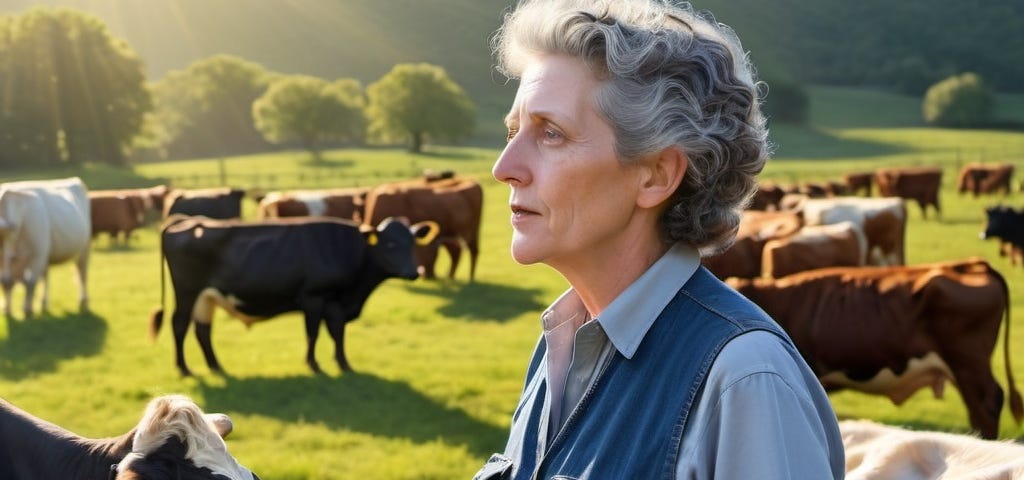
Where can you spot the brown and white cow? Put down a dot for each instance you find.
(979, 178)
(174, 439)
(894, 330)
(883, 220)
(921, 184)
(877, 451)
(743, 258)
(841, 244)
(345, 203)
(43, 223)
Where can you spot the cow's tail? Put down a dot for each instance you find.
(156, 319)
(1016, 405)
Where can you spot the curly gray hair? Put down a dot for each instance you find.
(670, 77)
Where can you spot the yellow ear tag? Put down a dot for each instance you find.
(372, 239)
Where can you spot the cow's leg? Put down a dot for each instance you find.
(8, 284)
(426, 257)
(202, 315)
(981, 394)
(82, 271)
(180, 321)
(474, 251)
(30, 280)
(454, 249)
(336, 320)
(313, 311)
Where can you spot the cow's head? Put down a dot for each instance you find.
(391, 244)
(1000, 220)
(175, 440)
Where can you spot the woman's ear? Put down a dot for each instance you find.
(664, 172)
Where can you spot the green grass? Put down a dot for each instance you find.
(440, 364)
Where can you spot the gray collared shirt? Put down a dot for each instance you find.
(763, 413)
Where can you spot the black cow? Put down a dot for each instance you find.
(324, 267)
(1007, 225)
(223, 203)
(31, 448)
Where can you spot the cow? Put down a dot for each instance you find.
(338, 203)
(883, 220)
(223, 203)
(875, 451)
(767, 197)
(743, 258)
(116, 213)
(324, 267)
(456, 204)
(858, 182)
(894, 330)
(979, 178)
(815, 246)
(921, 184)
(43, 223)
(174, 439)
(1007, 225)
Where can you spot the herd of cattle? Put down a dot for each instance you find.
(829, 266)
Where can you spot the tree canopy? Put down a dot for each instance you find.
(958, 101)
(311, 111)
(70, 91)
(418, 101)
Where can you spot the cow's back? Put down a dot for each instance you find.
(65, 206)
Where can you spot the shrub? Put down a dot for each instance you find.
(958, 101)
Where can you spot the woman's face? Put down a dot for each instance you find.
(571, 199)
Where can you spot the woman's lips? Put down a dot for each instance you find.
(521, 214)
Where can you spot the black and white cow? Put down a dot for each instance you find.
(323, 267)
(174, 440)
(1007, 225)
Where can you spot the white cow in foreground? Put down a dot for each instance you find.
(42, 223)
(875, 451)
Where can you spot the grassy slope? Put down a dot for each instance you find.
(440, 363)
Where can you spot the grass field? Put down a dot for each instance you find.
(439, 364)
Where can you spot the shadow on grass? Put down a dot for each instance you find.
(481, 300)
(801, 143)
(327, 160)
(38, 344)
(358, 402)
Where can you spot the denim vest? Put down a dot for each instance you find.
(630, 422)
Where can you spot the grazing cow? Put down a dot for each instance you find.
(894, 330)
(857, 182)
(876, 451)
(223, 203)
(767, 197)
(883, 220)
(174, 439)
(921, 184)
(979, 178)
(456, 204)
(338, 203)
(43, 223)
(1007, 225)
(324, 267)
(743, 257)
(115, 213)
(815, 246)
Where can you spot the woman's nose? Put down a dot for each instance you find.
(510, 167)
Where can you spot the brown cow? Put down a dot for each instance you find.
(116, 212)
(883, 220)
(743, 257)
(456, 204)
(856, 182)
(979, 178)
(876, 451)
(767, 197)
(815, 246)
(339, 203)
(894, 330)
(920, 184)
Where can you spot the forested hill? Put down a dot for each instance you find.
(903, 44)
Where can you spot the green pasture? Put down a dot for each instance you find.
(439, 363)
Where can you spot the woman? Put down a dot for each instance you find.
(635, 139)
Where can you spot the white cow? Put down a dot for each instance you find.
(876, 451)
(43, 223)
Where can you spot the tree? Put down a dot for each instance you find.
(71, 92)
(311, 111)
(417, 101)
(206, 109)
(786, 102)
(958, 101)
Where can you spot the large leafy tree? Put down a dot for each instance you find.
(958, 101)
(417, 102)
(311, 111)
(206, 109)
(70, 91)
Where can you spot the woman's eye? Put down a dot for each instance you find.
(551, 134)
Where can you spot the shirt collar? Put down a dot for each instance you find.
(627, 318)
